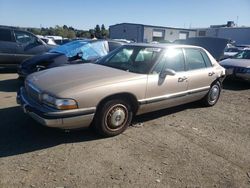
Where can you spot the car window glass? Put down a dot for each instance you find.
(145, 55)
(5, 35)
(206, 59)
(24, 38)
(113, 45)
(172, 59)
(122, 57)
(194, 59)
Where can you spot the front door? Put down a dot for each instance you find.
(169, 90)
(27, 45)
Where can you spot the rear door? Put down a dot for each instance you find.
(7, 47)
(27, 45)
(199, 72)
(163, 92)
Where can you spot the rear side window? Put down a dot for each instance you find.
(5, 35)
(194, 59)
(206, 59)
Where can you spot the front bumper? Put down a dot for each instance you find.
(67, 119)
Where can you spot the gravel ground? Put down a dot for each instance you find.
(186, 146)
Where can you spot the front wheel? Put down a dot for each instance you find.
(213, 95)
(113, 117)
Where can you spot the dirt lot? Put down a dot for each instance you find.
(187, 146)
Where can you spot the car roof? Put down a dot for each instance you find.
(160, 45)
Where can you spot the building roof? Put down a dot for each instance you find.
(163, 27)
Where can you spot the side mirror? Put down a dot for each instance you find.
(166, 72)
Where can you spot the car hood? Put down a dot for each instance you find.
(40, 59)
(235, 63)
(215, 46)
(63, 81)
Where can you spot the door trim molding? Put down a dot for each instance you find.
(172, 96)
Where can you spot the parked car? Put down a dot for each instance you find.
(17, 45)
(230, 52)
(242, 46)
(49, 41)
(132, 80)
(238, 66)
(75, 52)
(61, 41)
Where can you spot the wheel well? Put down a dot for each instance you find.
(217, 80)
(124, 96)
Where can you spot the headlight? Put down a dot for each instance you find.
(61, 104)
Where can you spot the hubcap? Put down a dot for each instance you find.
(116, 117)
(214, 93)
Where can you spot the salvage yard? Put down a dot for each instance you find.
(185, 146)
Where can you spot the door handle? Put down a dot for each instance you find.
(182, 79)
(211, 74)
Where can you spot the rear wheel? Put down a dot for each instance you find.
(113, 117)
(213, 95)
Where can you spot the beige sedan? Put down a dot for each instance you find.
(132, 80)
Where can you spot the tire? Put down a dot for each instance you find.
(213, 95)
(113, 118)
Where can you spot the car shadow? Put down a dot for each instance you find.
(22, 134)
(11, 85)
(236, 85)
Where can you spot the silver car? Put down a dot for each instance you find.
(132, 80)
(238, 66)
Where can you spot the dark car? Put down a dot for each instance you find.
(75, 52)
(17, 45)
(238, 66)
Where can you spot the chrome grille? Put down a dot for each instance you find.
(33, 92)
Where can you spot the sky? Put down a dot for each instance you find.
(85, 14)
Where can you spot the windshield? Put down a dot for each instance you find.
(89, 50)
(245, 54)
(134, 59)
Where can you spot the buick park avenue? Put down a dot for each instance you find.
(132, 80)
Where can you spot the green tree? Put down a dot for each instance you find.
(97, 31)
(104, 32)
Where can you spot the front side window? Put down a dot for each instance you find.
(5, 35)
(24, 38)
(133, 59)
(194, 59)
(172, 59)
